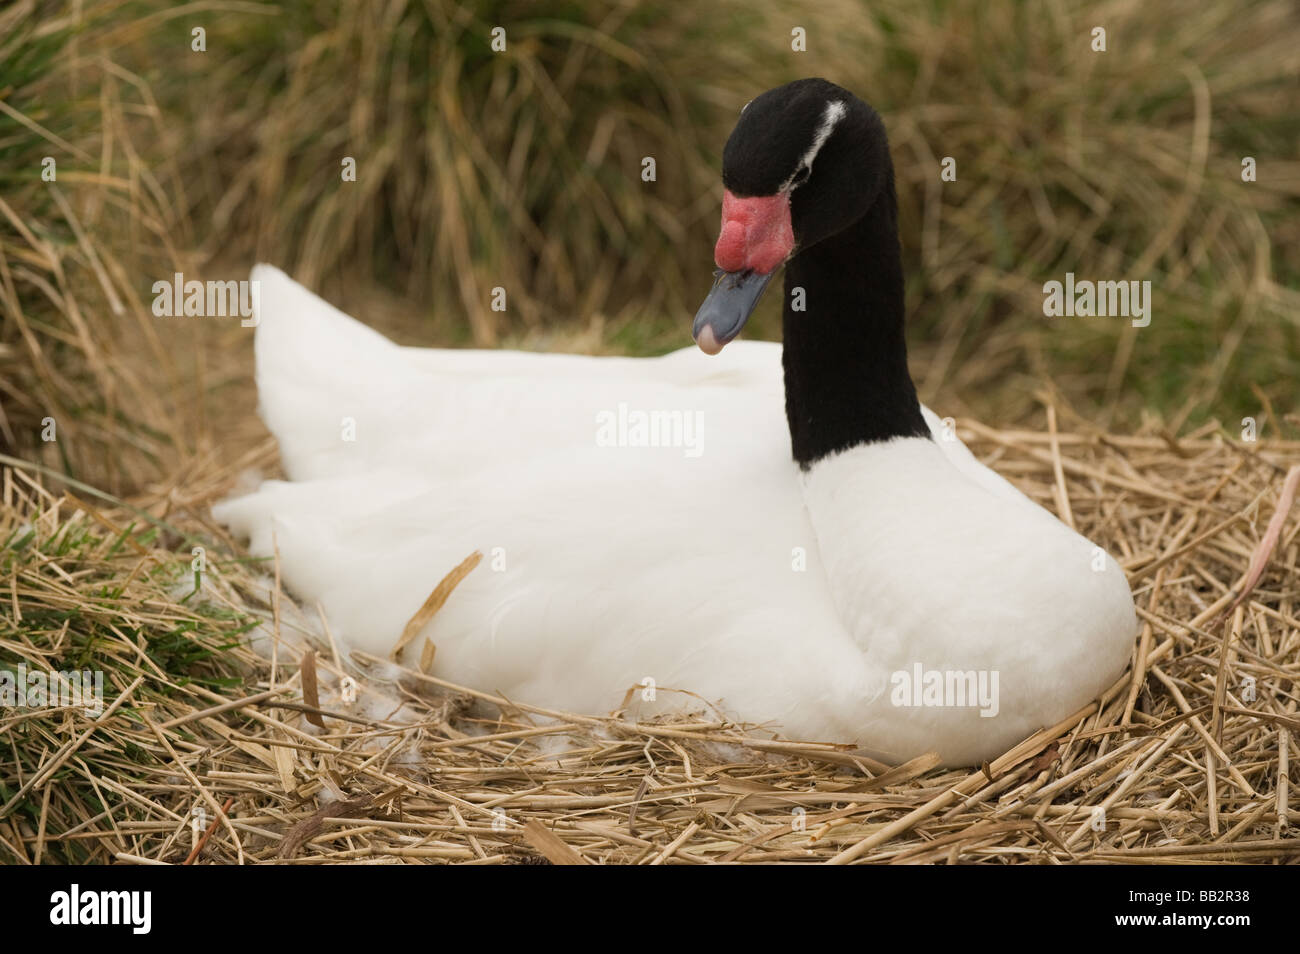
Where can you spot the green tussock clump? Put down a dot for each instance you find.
(1118, 165)
(86, 224)
(116, 602)
(475, 169)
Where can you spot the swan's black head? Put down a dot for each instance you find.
(805, 161)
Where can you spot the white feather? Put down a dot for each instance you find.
(831, 115)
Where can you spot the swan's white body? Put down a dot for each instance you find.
(785, 599)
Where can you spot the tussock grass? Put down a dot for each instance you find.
(88, 381)
(475, 169)
(1185, 761)
(522, 170)
(1123, 165)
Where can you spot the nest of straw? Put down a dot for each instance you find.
(209, 752)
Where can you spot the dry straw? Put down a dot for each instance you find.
(1184, 759)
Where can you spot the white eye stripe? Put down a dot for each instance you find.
(831, 116)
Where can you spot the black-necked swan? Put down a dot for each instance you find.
(644, 522)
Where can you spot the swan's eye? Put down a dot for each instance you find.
(800, 177)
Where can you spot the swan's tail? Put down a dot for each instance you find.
(329, 388)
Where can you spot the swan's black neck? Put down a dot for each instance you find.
(845, 357)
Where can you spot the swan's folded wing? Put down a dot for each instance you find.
(342, 399)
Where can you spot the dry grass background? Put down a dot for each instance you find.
(524, 171)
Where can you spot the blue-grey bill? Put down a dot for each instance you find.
(730, 302)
